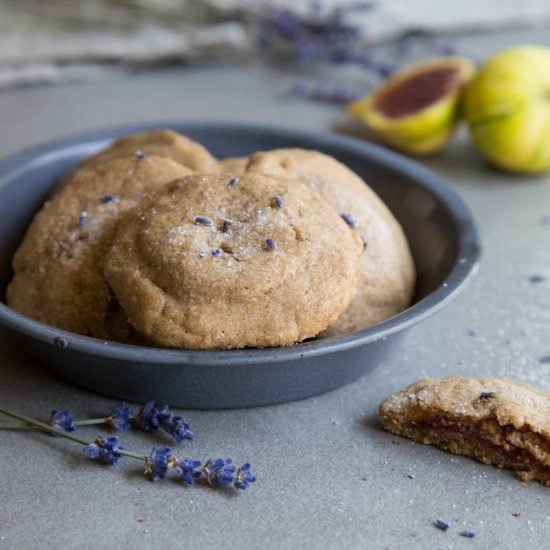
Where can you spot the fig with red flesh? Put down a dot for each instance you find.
(416, 109)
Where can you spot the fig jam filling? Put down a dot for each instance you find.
(494, 442)
(417, 92)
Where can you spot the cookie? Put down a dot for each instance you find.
(160, 143)
(57, 269)
(233, 165)
(387, 279)
(224, 262)
(494, 420)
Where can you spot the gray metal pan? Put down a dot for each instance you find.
(442, 234)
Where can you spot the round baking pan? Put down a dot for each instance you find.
(440, 229)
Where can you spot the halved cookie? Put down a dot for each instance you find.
(494, 420)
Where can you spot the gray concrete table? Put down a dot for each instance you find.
(328, 476)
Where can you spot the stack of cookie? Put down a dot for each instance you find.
(153, 241)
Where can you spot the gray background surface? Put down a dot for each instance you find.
(328, 476)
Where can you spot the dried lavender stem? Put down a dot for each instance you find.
(46, 428)
(24, 426)
(16, 426)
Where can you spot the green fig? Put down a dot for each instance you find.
(416, 109)
(507, 107)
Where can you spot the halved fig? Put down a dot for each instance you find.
(416, 109)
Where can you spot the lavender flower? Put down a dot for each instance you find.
(325, 91)
(278, 201)
(487, 395)
(219, 472)
(177, 428)
(120, 417)
(348, 219)
(536, 279)
(82, 218)
(440, 524)
(189, 470)
(202, 220)
(321, 35)
(153, 417)
(150, 416)
(244, 477)
(107, 198)
(331, 36)
(61, 420)
(387, 69)
(139, 154)
(448, 50)
(233, 181)
(216, 252)
(271, 244)
(104, 449)
(159, 462)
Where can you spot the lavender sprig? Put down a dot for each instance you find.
(49, 429)
(119, 420)
(150, 417)
(217, 473)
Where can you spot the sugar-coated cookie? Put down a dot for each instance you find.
(230, 262)
(160, 143)
(57, 269)
(387, 279)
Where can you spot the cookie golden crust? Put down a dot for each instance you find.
(160, 143)
(494, 420)
(226, 262)
(387, 278)
(57, 269)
